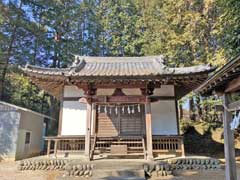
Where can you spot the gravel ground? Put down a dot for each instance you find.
(8, 171)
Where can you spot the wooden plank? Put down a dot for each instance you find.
(148, 129)
(118, 149)
(229, 149)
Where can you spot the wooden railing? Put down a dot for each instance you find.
(134, 143)
(168, 144)
(161, 144)
(65, 144)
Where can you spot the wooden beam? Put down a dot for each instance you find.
(88, 130)
(113, 85)
(233, 85)
(118, 99)
(71, 98)
(163, 98)
(60, 113)
(229, 149)
(131, 98)
(148, 119)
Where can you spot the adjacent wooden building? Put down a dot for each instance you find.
(118, 105)
(225, 83)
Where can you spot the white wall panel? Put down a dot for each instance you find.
(105, 92)
(74, 118)
(132, 91)
(72, 91)
(164, 118)
(165, 90)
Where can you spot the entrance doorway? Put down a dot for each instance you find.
(120, 120)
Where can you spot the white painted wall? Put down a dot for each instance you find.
(105, 92)
(33, 123)
(165, 90)
(72, 91)
(74, 118)
(132, 91)
(9, 123)
(164, 121)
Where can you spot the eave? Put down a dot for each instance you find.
(134, 70)
(219, 81)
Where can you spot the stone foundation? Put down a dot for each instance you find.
(70, 167)
(167, 168)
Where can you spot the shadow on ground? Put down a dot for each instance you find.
(198, 144)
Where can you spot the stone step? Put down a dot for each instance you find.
(116, 165)
(131, 156)
(119, 174)
(119, 178)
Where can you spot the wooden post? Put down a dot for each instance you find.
(48, 147)
(55, 147)
(60, 113)
(88, 130)
(148, 119)
(60, 118)
(182, 148)
(177, 116)
(94, 118)
(229, 150)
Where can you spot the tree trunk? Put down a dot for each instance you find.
(198, 106)
(191, 109)
(180, 111)
(7, 58)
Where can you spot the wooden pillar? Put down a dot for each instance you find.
(60, 118)
(182, 148)
(88, 129)
(177, 116)
(48, 147)
(148, 119)
(229, 149)
(60, 113)
(94, 119)
(55, 147)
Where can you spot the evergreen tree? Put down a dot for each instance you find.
(119, 36)
(180, 30)
(228, 27)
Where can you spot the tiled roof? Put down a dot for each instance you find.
(118, 67)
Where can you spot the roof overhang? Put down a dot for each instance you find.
(118, 70)
(12, 107)
(219, 81)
